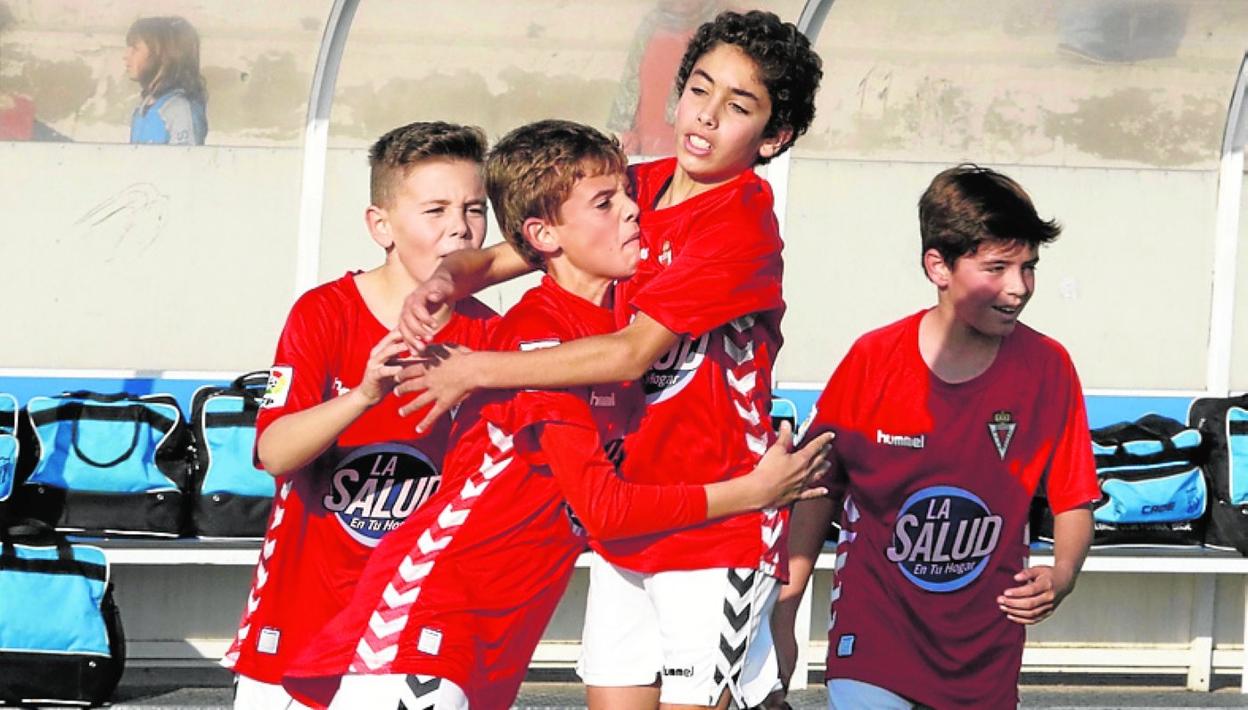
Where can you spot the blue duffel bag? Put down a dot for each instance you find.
(61, 639)
(106, 464)
(1153, 491)
(232, 497)
(1223, 421)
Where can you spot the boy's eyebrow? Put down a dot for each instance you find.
(605, 192)
(739, 92)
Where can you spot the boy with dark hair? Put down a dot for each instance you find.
(349, 468)
(945, 423)
(452, 604)
(675, 617)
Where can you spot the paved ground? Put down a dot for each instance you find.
(207, 689)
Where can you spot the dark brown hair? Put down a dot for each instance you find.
(967, 205)
(173, 46)
(785, 61)
(532, 170)
(395, 153)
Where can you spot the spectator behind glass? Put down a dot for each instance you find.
(162, 54)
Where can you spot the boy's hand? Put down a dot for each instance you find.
(426, 310)
(443, 379)
(1043, 590)
(787, 475)
(381, 369)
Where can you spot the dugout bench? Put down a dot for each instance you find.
(1136, 610)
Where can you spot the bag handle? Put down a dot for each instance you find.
(36, 531)
(259, 377)
(134, 440)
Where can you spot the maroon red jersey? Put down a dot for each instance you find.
(938, 479)
(710, 271)
(329, 515)
(465, 588)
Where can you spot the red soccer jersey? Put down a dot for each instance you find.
(329, 516)
(711, 272)
(938, 480)
(465, 588)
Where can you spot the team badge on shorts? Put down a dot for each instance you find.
(943, 538)
(1001, 428)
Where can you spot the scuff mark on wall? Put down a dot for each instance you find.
(1152, 125)
(128, 222)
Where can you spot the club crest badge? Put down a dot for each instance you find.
(665, 255)
(1001, 428)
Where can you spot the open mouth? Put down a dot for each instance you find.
(697, 144)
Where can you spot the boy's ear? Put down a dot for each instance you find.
(938, 272)
(539, 234)
(771, 147)
(378, 222)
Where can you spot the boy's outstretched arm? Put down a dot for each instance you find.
(1045, 587)
(460, 274)
(808, 528)
(293, 440)
(613, 357)
(612, 508)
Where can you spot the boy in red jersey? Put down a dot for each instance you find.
(674, 618)
(349, 467)
(451, 605)
(945, 422)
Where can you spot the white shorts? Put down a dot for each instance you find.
(700, 632)
(251, 694)
(848, 694)
(398, 692)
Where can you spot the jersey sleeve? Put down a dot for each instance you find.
(301, 367)
(833, 412)
(724, 272)
(524, 408)
(608, 506)
(471, 326)
(179, 121)
(1071, 474)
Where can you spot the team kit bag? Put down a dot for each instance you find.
(1224, 424)
(9, 447)
(232, 497)
(106, 464)
(1153, 491)
(61, 638)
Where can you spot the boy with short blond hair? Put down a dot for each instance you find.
(945, 423)
(349, 468)
(452, 605)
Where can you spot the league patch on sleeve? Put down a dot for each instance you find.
(278, 387)
(538, 344)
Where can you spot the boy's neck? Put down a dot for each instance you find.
(951, 349)
(384, 289)
(591, 287)
(684, 186)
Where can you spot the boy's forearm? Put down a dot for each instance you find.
(1072, 536)
(615, 357)
(471, 270)
(294, 440)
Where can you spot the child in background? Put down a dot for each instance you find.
(349, 468)
(945, 423)
(162, 55)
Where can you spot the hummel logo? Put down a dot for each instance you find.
(908, 442)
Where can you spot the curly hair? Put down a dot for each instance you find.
(532, 170)
(787, 65)
(967, 205)
(393, 155)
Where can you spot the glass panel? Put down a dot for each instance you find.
(1064, 82)
(150, 256)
